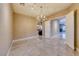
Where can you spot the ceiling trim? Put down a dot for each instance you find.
(57, 14)
(24, 15)
(62, 12)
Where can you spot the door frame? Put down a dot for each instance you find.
(75, 30)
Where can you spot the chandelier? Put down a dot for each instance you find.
(41, 18)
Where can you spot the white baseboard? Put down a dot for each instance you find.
(19, 40)
(9, 49)
(72, 47)
(24, 38)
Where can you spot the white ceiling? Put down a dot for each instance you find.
(49, 8)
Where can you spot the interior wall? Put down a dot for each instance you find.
(24, 26)
(70, 29)
(48, 29)
(54, 27)
(76, 7)
(5, 28)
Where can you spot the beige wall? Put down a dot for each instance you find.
(76, 7)
(23, 26)
(5, 28)
(78, 28)
(70, 29)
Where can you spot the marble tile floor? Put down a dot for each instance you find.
(42, 47)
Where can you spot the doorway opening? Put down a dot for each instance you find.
(62, 27)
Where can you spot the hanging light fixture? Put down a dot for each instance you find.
(40, 17)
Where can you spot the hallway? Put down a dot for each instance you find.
(41, 47)
(26, 21)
